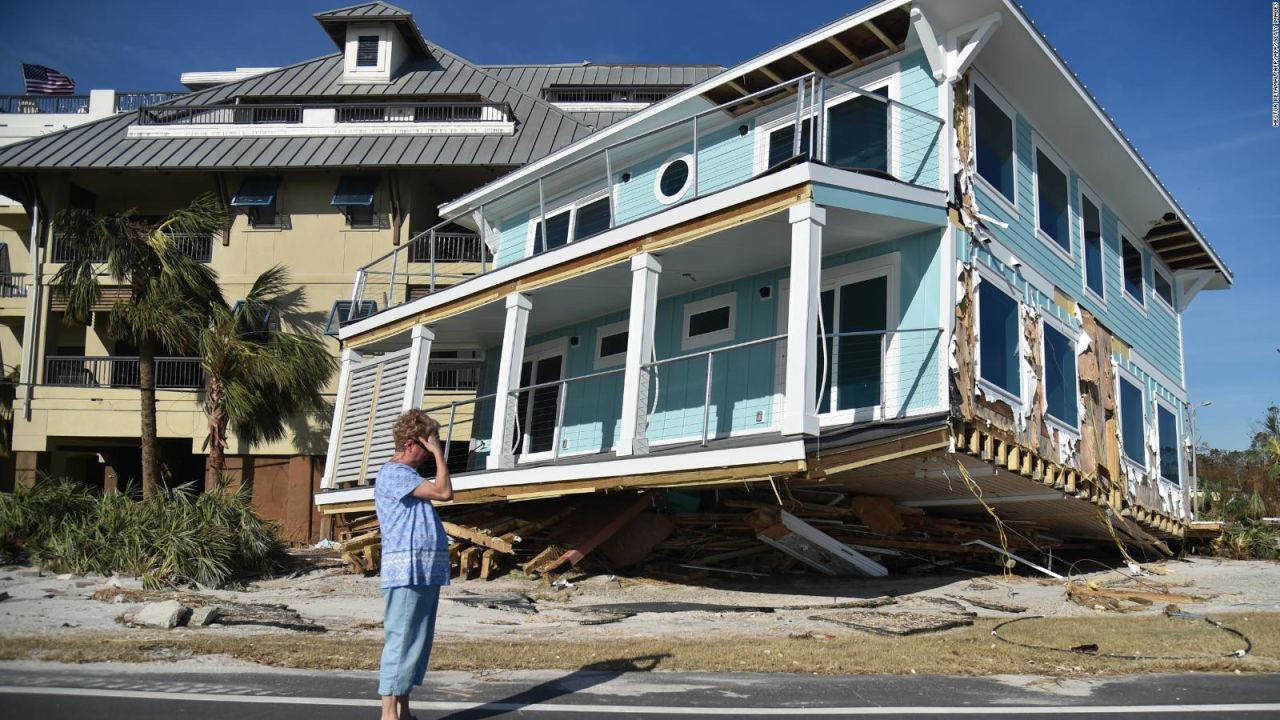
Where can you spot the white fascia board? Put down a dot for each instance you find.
(601, 107)
(1108, 123)
(798, 175)
(335, 130)
(604, 137)
(785, 451)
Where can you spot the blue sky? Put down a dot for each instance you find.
(1187, 80)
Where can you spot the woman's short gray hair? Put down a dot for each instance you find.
(413, 424)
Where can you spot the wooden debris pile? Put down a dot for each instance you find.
(685, 536)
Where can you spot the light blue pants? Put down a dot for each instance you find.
(410, 625)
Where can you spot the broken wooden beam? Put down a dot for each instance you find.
(811, 546)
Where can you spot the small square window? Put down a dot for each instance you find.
(611, 344)
(1131, 259)
(998, 331)
(710, 321)
(782, 143)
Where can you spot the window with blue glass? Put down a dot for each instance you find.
(1131, 422)
(1131, 260)
(998, 339)
(1170, 454)
(1091, 220)
(858, 133)
(1060, 386)
(993, 135)
(1051, 193)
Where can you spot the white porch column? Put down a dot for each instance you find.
(501, 454)
(645, 271)
(800, 411)
(420, 341)
(349, 359)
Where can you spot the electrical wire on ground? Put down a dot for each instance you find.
(1248, 645)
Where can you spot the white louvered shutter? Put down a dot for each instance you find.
(374, 400)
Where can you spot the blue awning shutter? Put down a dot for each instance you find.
(355, 190)
(257, 191)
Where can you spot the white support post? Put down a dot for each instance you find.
(419, 352)
(800, 410)
(349, 360)
(501, 453)
(645, 271)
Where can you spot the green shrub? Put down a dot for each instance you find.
(1248, 540)
(176, 536)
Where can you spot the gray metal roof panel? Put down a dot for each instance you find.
(364, 10)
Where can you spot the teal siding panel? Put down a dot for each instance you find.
(513, 241)
(919, 139)
(879, 204)
(1153, 332)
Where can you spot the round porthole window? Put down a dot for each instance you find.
(674, 178)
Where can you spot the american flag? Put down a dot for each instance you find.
(41, 80)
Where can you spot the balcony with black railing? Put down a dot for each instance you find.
(197, 246)
(171, 373)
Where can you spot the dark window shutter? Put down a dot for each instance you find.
(367, 51)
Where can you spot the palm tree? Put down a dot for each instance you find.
(257, 376)
(169, 292)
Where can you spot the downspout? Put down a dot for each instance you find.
(31, 330)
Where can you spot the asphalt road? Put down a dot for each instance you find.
(156, 692)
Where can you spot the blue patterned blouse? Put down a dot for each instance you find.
(415, 549)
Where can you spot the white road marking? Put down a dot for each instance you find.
(652, 709)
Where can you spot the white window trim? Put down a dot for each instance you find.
(987, 386)
(688, 181)
(602, 363)
(1073, 336)
(1158, 269)
(377, 72)
(887, 266)
(712, 338)
(1038, 146)
(885, 76)
(534, 353)
(988, 89)
(1082, 192)
(1124, 374)
(1177, 422)
(572, 208)
(1140, 304)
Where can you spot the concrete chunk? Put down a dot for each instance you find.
(167, 614)
(204, 616)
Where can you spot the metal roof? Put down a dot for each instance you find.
(597, 120)
(533, 79)
(541, 127)
(365, 10)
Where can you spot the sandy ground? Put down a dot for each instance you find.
(40, 603)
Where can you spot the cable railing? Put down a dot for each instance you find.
(121, 372)
(550, 421)
(859, 130)
(701, 396)
(434, 258)
(879, 374)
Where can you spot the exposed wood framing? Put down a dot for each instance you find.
(800, 58)
(845, 460)
(845, 51)
(655, 242)
(773, 76)
(875, 30)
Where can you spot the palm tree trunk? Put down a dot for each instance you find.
(215, 406)
(147, 386)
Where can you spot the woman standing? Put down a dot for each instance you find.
(415, 557)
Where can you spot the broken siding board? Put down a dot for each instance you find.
(813, 547)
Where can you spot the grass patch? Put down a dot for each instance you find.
(968, 651)
(177, 536)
